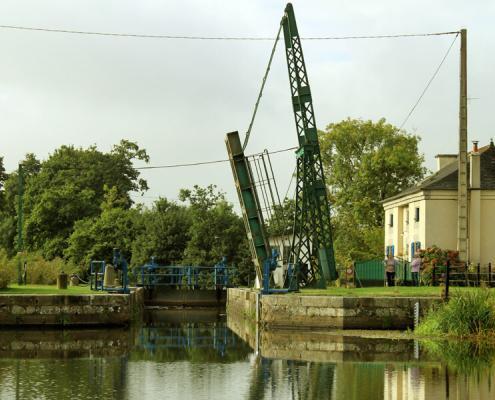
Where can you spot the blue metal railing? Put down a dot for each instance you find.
(187, 277)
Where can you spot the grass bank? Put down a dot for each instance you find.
(397, 291)
(45, 289)
(468, 314)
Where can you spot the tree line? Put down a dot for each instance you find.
(77, 203)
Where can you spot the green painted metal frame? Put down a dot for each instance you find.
(312, 244)
(250, 204)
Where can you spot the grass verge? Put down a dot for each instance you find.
(468, 314)
(397, 291)
(45, 289)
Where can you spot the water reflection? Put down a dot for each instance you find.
(197, 355)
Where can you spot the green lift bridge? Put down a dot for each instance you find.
(312, 261)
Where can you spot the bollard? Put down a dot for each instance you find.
(62, 281)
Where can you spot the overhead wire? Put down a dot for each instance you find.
(192, 164)
(260, 94)
(199, 37)
(428, 84)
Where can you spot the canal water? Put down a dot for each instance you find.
(202, 355)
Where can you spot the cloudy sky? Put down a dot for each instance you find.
(177, 99)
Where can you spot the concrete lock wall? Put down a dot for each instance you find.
(70, 310)
(307, 312)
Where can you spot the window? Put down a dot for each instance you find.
(391, 220)
(416, 214)
(407, 217)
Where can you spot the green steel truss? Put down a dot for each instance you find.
(312, 244)
(250, 203)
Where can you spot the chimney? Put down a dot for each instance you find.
(474, 161)
(445, 159)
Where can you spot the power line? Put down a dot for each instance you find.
(193, 164)
(233, 38)
(263, 82)
(429, 82)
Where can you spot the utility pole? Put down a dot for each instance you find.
(462, 192)
(20, 223)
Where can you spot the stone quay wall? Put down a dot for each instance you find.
(70, 310)
(309, 312)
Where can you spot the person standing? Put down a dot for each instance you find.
(415, 268)
(390, 270)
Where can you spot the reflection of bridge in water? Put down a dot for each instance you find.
(215, 336)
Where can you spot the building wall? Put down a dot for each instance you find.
(405, 228)
(437, 225)
(441, 219)
(487, 228)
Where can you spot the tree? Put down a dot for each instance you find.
(8, 202)
(216, 231)
(365, 162)
(3, 176)
(71, 187)
(281, 222)
(95, 238)
(165, 234)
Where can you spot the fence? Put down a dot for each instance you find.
(187, 277)
(373, 272)
(474, 275)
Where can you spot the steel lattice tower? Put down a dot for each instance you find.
(312, 244)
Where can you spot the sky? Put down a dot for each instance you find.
(178, 99)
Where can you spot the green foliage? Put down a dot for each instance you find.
(465, 357)
(5, 270)
(164, 234)
(71, 186)
(365, 162)
(468, 313)
(95, 238)
(281, 222)
(39, 270)
(438, 257)
(8, 203)
(215, 231)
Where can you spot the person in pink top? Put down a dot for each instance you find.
(415, 268)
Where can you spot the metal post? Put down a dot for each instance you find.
(462, 222)
(20, 222)
(478, 274)
(466, 272)
(447, 281)
(433, 273)
(489, 274)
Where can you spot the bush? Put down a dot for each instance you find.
(39, 271)
(438, 257)
(469, 313)
(5, 271)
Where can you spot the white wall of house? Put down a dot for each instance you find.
(405, 228)
(437, 225)
(441, 219)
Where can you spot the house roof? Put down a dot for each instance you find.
(446, 178)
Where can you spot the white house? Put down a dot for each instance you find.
(426, 214)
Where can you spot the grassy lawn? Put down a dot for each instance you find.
(397, 291)
(45, 289)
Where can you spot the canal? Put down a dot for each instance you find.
(203, 355)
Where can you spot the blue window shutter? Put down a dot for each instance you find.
(393, 250)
